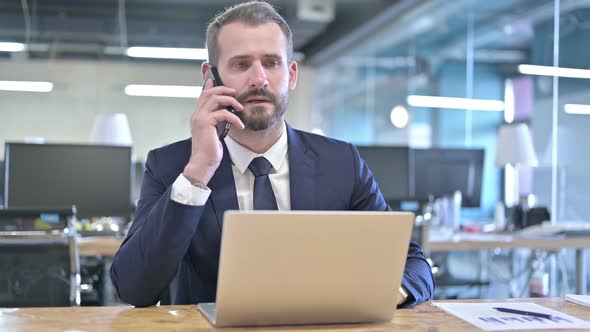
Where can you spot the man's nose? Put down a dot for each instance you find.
(258, 79)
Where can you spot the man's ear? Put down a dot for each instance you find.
(205, 66)
(293, 71)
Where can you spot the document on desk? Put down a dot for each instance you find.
(485, 317)
(578, 299)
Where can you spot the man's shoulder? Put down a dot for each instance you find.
(171, 155)
(173, 148)
(169, 160)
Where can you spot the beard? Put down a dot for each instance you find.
(258, 118)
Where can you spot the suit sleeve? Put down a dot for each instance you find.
(418, 278)
(156, 243)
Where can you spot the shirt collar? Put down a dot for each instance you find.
(242, 156)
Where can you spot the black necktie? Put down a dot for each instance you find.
(264, 197)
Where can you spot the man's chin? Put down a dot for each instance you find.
(261, 117)
(258, 124)
(258, 118)
(258, 109)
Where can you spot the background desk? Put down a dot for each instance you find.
(423, 317)
(492, 241)
(108, 246)
(98, 245)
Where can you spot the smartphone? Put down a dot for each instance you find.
(222, 126)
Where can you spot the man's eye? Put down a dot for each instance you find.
(241, 65)
(273, 64)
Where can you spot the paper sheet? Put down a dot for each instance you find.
(578, 299)
(486, 318)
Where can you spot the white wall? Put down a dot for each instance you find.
(83, 89)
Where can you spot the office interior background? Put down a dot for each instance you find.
(384, 75)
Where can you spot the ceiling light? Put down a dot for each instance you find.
(168, 53)
(399, 116)
(577, 109)
(459, 103)
(178, 91)
(11, 47)
(554, 71)
(26, 86)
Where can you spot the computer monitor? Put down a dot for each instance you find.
(95, 178)
(1, 183)
(443, 171)
(391, 166)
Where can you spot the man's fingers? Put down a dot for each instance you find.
(219, 101)
(225, 115)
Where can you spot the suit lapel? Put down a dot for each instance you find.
(223, 188)
(301, 173)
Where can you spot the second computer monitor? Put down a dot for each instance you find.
(95, 178)
(440, 172)
(403, 173)
(392, 169)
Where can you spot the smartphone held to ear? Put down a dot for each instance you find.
(222, 126)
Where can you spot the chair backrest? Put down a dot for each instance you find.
(39, 271)
(39, 261)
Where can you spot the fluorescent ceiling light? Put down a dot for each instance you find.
(168, 53)
(178, 91)
(459, 103)
(26, 86)
(11, 47)
(577, 109)
(554, 71)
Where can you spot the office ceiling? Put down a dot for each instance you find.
(502, 29)
(435, 29)
(99, 28)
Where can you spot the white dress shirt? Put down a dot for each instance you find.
(185, 193)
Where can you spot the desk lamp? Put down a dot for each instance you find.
(111, 129)
(515, 148)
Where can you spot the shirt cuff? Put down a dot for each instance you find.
(402, 295)
(184, 192)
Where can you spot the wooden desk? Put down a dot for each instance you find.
(108, 246)
(98, 245)
(424, 317)
(466, 242)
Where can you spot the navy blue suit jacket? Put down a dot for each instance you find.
(177, 246)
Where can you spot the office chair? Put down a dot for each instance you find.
(39, 261)
(39, 271)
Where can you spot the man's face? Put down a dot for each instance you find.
(253, 60)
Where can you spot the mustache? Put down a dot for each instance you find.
(257, 92)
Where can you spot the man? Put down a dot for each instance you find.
(175, 238)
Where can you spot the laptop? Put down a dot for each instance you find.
(309, 267)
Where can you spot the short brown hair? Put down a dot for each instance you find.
(252, 13)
